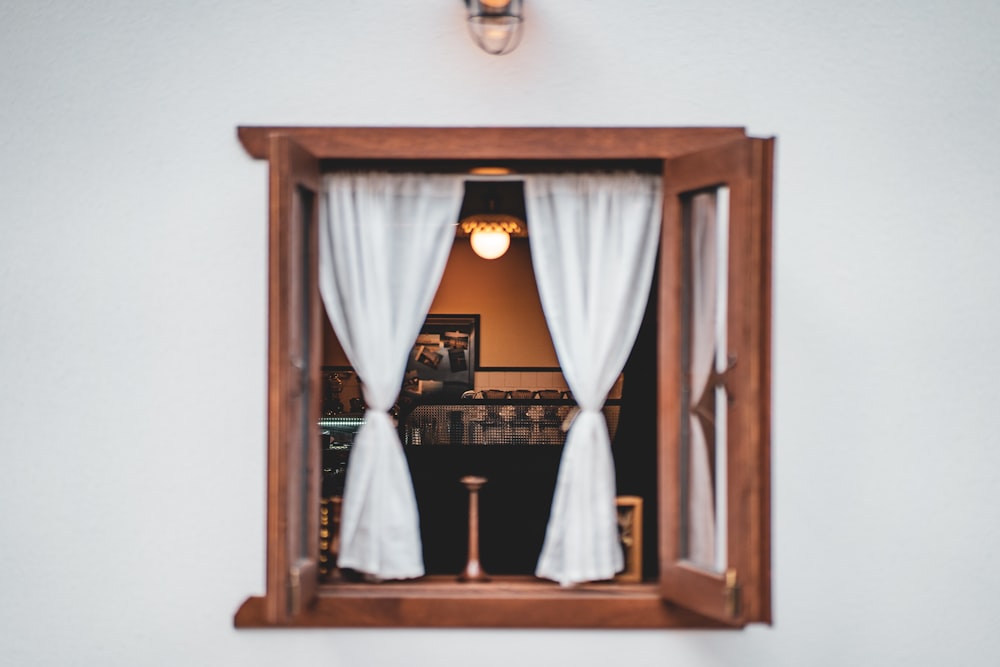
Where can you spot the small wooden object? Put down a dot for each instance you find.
(630, 537)
(473, 570)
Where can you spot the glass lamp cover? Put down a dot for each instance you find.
(489, 243)
(495, 25)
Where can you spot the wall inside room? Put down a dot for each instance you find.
(502, 291)
(133, 306)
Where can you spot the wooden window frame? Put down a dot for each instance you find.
(692, 159)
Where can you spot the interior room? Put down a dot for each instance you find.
(506, 422)
(513, 362)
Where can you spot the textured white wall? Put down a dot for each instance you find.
(132, 305)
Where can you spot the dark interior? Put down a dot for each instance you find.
(514, 504)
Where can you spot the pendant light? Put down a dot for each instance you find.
(489, 233)
(492, 212)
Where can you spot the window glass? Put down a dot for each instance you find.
(705, 359)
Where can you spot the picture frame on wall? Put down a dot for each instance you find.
(444, 358)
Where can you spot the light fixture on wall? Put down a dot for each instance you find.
(495, 24)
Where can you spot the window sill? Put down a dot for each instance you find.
(504, 602)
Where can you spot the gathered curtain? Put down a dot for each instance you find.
(701, 417)
(384, 243)
(593, 246)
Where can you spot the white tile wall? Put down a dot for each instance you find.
(531, 380)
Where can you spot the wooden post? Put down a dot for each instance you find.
(473, 570)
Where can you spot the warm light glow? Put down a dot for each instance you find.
(490, 171)
(491, 222)
(495, 4)
(489, 242)
(489, 233)
(496, 35)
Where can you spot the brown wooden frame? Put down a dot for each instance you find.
(691, 158)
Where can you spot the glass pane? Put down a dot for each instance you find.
(705, 360)
(301, 358)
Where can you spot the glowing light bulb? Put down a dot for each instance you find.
(489, 243)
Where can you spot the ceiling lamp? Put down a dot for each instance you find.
(495, 24)
(489, 233)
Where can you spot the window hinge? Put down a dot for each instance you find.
(732, 594)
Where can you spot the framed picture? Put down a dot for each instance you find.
(630, 537)
(443, 359)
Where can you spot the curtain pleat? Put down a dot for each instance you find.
(384, 243)
(704, 270)
(593, 247)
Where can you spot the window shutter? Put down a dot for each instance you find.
(294, 339)
(732, 584)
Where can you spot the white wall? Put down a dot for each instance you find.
(132, 258)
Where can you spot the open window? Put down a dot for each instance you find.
(711, 436)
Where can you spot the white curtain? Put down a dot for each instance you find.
(704, 272)
(593, 245)
(384, 243)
